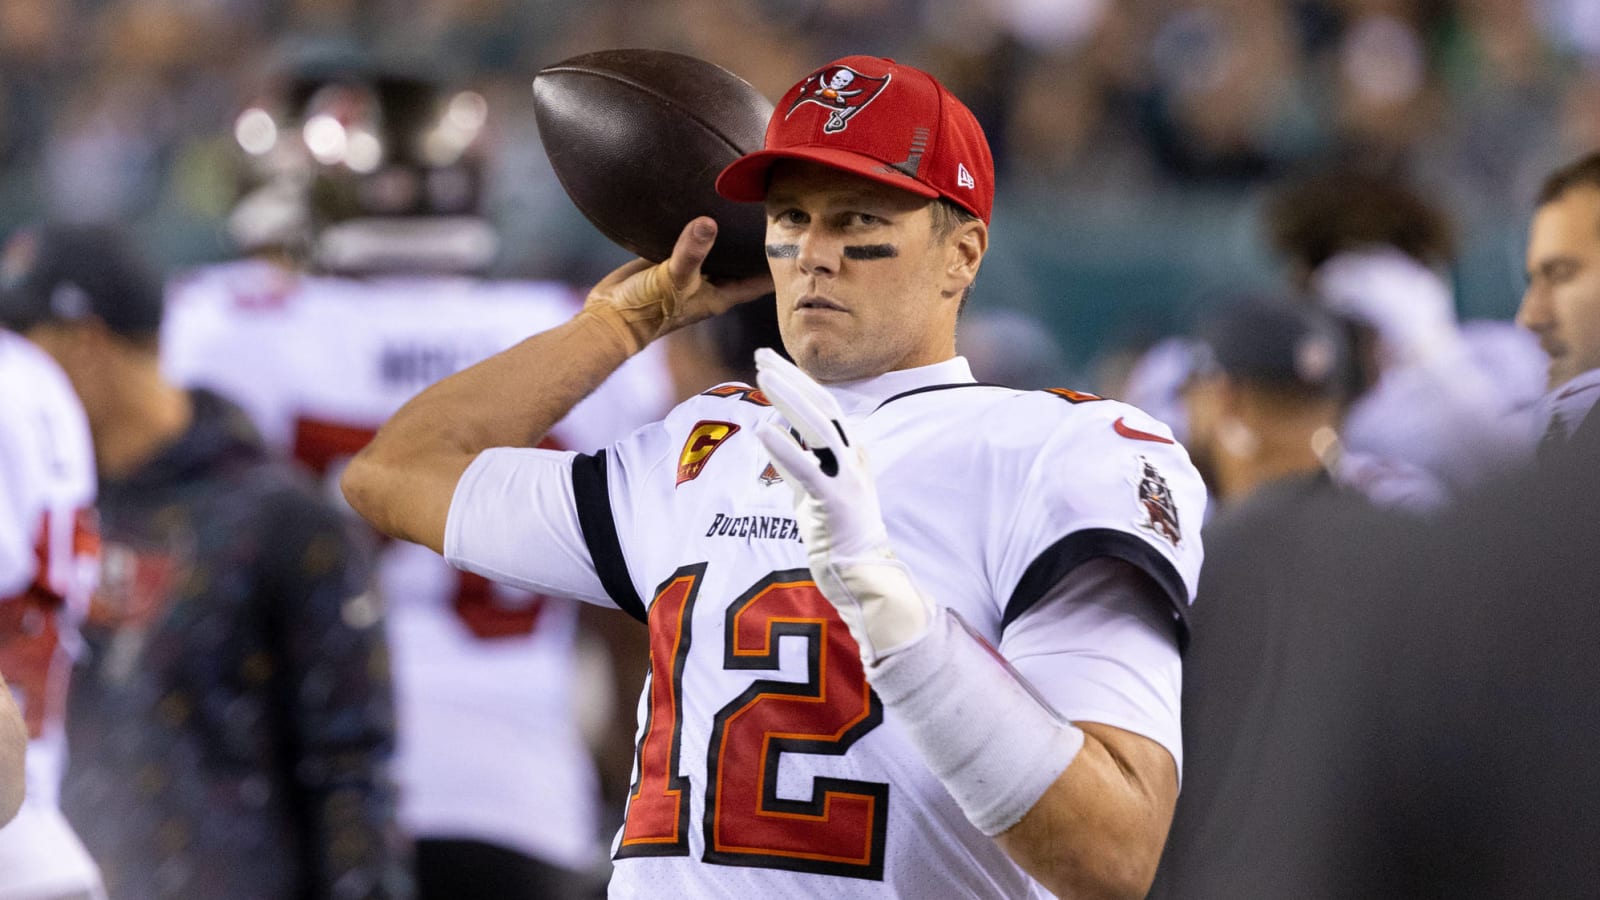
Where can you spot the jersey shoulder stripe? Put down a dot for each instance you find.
(734, 390)
(592, 496)
(733, 402)
(1072, 396)
(1049, 568)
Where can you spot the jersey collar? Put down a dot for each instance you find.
(1561, 411)
(857, 398)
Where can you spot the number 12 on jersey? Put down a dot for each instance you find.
(840, 829)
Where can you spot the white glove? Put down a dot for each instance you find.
(837, 509)
(1404, 301)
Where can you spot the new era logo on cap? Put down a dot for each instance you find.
(876, 118)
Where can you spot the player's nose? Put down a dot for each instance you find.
(820, 252)
(1534, 311)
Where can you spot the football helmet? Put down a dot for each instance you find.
(357, 168)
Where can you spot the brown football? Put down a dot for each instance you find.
(637, 138)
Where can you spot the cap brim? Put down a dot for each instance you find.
(745, 179)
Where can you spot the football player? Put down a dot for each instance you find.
(497, 787)
(231, 724)
(910, 635)
(49, 557)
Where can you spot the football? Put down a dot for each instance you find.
(637, 138)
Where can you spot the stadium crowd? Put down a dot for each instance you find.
(1133, 140)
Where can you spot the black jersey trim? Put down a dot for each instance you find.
(1077, 548)
(939, 387)
(600, 532)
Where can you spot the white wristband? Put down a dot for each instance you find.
(994, 743)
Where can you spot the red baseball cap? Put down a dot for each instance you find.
(881, 120)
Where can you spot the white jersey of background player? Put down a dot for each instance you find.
(49, 554)
(762, 749)
(489, 745)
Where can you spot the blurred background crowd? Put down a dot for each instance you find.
(1133, 139)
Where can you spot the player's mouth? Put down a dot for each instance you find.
(818, 303)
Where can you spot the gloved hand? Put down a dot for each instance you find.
(836, 505)
(1405, 302)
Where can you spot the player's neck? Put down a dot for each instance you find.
(142, 414)
(1273, 454)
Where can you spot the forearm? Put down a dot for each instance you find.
(403, 481)
(13, 755)
(1082, 807)
(1099, 829)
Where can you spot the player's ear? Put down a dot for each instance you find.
(964, 254)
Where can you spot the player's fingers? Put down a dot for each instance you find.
(797, 466)
(814, 428)
(808, 407)
(796, 383)
(694, 243)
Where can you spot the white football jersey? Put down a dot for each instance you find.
(49, 553)
(766, 766)
(320, 364)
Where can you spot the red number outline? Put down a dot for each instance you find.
(657, 822)
(841, 829)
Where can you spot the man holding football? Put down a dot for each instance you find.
(910, 635)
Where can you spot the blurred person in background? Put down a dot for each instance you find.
(1385, 706)
(1384, 103)
(1506, 83)
(232, 724)
(49, 563)
(1448, 398)
(1562, 303)
(1264, 404)
(372, 196)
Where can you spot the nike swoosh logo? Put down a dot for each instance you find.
(1123, 429)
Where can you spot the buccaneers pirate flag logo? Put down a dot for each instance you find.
(842, 91)
(1160, 513)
